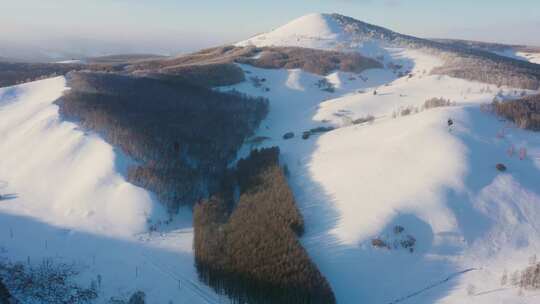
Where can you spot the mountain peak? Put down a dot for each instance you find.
(324, 31)
(312, 30)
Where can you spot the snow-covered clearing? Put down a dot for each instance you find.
(65, 198)
(358, 182)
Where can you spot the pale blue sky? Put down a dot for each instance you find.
(186, 25)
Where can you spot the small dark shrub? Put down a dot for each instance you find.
(398, 229)
(408, 242)
(321, 130)
(530, 277)
(436, 103)
(361, 120)
(325, 85)
(288, 135)
(379, 243)
(406, 111)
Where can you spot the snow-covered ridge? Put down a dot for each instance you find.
(64, 198)
(329, 32)
(60, 173)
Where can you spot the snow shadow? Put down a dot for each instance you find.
(485, 150)
(360, 273)
(8, 196)
(364, 274)
(8, 95)
(124, 266)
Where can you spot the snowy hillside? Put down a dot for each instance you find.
(402, 200)
(327, 32)
(357, 183)
(64, 198)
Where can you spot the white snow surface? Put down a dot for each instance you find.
(353, 184)
(313, 30)
(356, 183)
(64, 197)
(318, 31)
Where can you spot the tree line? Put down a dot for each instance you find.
(524, 112)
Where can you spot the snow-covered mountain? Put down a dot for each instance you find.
(337, 32)
(400, 205)
(328, 31)
(354, 185)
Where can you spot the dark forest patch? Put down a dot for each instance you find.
(17, 73)
(524, 112)
(310, 60)
(181, 136)
(251, 251)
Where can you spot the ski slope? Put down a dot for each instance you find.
(357, 183)
(64, 197)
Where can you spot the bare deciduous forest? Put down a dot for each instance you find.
(311, 60)
(16, 73)
(494, 69)
(524, 112)
(181, 136)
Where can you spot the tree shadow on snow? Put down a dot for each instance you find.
(360, 273)
(485, 150)
(123, 266)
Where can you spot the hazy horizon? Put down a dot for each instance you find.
(171, 27)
